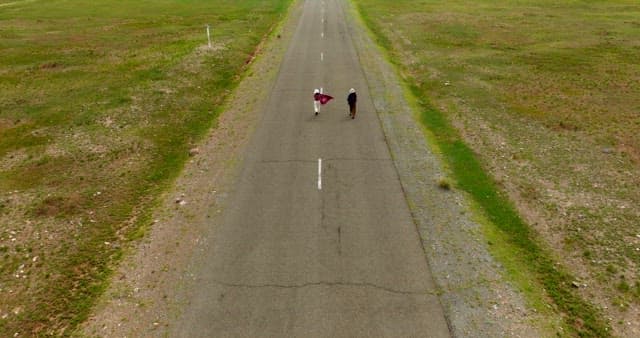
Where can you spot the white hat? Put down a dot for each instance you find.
(352, 90)
(316, 91)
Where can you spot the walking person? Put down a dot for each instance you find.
(320, 99)
(351, 100)
(316, 100)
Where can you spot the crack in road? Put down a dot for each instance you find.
(330, 284)
(288, 161)
(339, 241)
(327, 160)
(357, 159)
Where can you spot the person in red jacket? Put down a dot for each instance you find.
(316, 100)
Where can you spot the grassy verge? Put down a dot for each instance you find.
(526, 252)
(100, 105)
(531, 103)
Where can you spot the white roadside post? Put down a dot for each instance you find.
(208, 36)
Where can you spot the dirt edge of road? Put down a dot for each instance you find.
(150, 285)
(478, 300)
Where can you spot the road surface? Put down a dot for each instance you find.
(317, 239)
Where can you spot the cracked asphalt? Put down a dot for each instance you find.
(316, 238)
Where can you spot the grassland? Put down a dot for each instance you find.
(101, 102)
(534, 105)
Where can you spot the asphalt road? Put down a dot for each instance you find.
(317, 239)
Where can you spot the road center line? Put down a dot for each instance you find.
(321, 56)
(319, 174)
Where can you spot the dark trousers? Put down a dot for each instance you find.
(352, 110)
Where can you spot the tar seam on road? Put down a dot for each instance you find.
(329, 284)
(287, 161)
(358, 159)
(327, 160)
(339, 241)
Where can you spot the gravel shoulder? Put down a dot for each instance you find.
(151, 283)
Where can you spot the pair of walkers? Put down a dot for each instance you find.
(321, 99)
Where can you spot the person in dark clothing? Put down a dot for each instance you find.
(351, 99)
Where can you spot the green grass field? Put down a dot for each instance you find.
(101, 101)
(535, 105)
